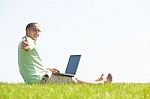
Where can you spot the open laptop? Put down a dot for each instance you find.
(71, 66)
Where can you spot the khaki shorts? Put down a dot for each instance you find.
(56, 79)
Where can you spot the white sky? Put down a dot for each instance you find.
(111, 35)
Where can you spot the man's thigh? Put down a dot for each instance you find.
(57, 79)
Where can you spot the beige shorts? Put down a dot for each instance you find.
(56, 79)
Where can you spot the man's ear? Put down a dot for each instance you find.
(27, 32)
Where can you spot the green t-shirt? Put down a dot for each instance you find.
(30, 64)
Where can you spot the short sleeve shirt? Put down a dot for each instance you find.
(30, 63)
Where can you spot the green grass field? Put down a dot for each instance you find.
(75, 91)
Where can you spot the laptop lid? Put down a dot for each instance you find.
(73, 64)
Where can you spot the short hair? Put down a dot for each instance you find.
(30, 25)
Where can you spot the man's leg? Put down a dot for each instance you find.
(56, 79)
(60, 79)
(98, 81)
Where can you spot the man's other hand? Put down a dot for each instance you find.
(53, 70)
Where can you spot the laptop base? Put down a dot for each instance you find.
(65, 74)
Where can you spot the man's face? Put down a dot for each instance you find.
(33, 32)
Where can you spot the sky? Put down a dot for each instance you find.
(113, 36)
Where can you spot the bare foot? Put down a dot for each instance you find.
(101, 78)
(109, 78)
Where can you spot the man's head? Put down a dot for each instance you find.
(32, 30)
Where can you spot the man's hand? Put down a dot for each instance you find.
(53, 70)
(25, 44)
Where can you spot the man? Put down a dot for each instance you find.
(30, 64)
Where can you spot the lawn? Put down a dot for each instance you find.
(75, 91)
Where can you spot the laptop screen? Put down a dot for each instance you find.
(73, 64)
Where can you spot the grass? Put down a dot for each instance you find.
(75, 91)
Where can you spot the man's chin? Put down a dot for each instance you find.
(34, 39)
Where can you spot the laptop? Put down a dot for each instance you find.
(71, 66)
